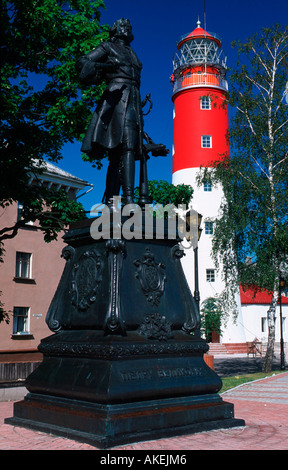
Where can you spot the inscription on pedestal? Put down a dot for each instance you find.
(165, 373)
(128, 375)
(180, 372)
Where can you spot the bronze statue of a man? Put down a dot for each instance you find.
(117, 124)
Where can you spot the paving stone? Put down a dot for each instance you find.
(266, 426)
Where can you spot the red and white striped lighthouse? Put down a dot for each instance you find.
(199, 97)
(200, 126)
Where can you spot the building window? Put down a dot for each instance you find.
(210, 275)
(207, 186)
(23, 265)
(263, 324)
(205, 102)
(20, 320)
(20, 209)
(209, 228)
(206, 141)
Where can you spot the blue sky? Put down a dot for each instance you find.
(157, 26)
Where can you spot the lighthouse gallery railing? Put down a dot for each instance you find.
(203, 79)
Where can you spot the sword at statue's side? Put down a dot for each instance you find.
(157, 150)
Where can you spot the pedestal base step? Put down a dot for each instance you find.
(106, 426)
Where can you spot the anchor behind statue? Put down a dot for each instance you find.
(117, 123)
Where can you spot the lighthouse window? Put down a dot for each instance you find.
(206, 141)
(205, 102)
(210, 275)
(209, 228)
(207, 186)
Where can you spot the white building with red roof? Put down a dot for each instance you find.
(254, 308)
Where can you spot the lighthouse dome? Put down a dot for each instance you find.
(199, 33)
(198, 47)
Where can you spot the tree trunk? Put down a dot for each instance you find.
(271, 316)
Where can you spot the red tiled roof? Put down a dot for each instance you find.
(261, 297)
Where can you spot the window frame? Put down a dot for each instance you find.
(210, 275)
(207, 187)
(204, 141)
(209, 227)
(205, 103)
(264, 325)
(28, 223)
(23, 312)
(20, 265)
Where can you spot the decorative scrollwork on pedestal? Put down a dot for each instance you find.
(113, 321)
(68, 252)
(156, 326)
(86, 277)
(128, 350)
(151, 276)
(52, 318)
(177, 252)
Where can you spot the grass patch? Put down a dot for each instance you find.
(231, 382)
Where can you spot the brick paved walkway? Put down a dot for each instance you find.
(262, 404)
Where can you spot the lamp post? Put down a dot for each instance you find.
(193, 221)
(282, 355)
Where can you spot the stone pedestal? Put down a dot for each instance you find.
(123, 363)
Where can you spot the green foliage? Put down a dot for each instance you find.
(4, 316)
(43, 105)
(42, 40)
(236, 380)
(211, 317)
(162, 192)
(50, 211)
(53, 212)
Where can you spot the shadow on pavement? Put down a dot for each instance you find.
(226, 367)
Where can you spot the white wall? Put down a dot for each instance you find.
(252, 315)
(207, 203)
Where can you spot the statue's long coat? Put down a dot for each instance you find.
(105, 131)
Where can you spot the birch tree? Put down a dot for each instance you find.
(251, 235)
